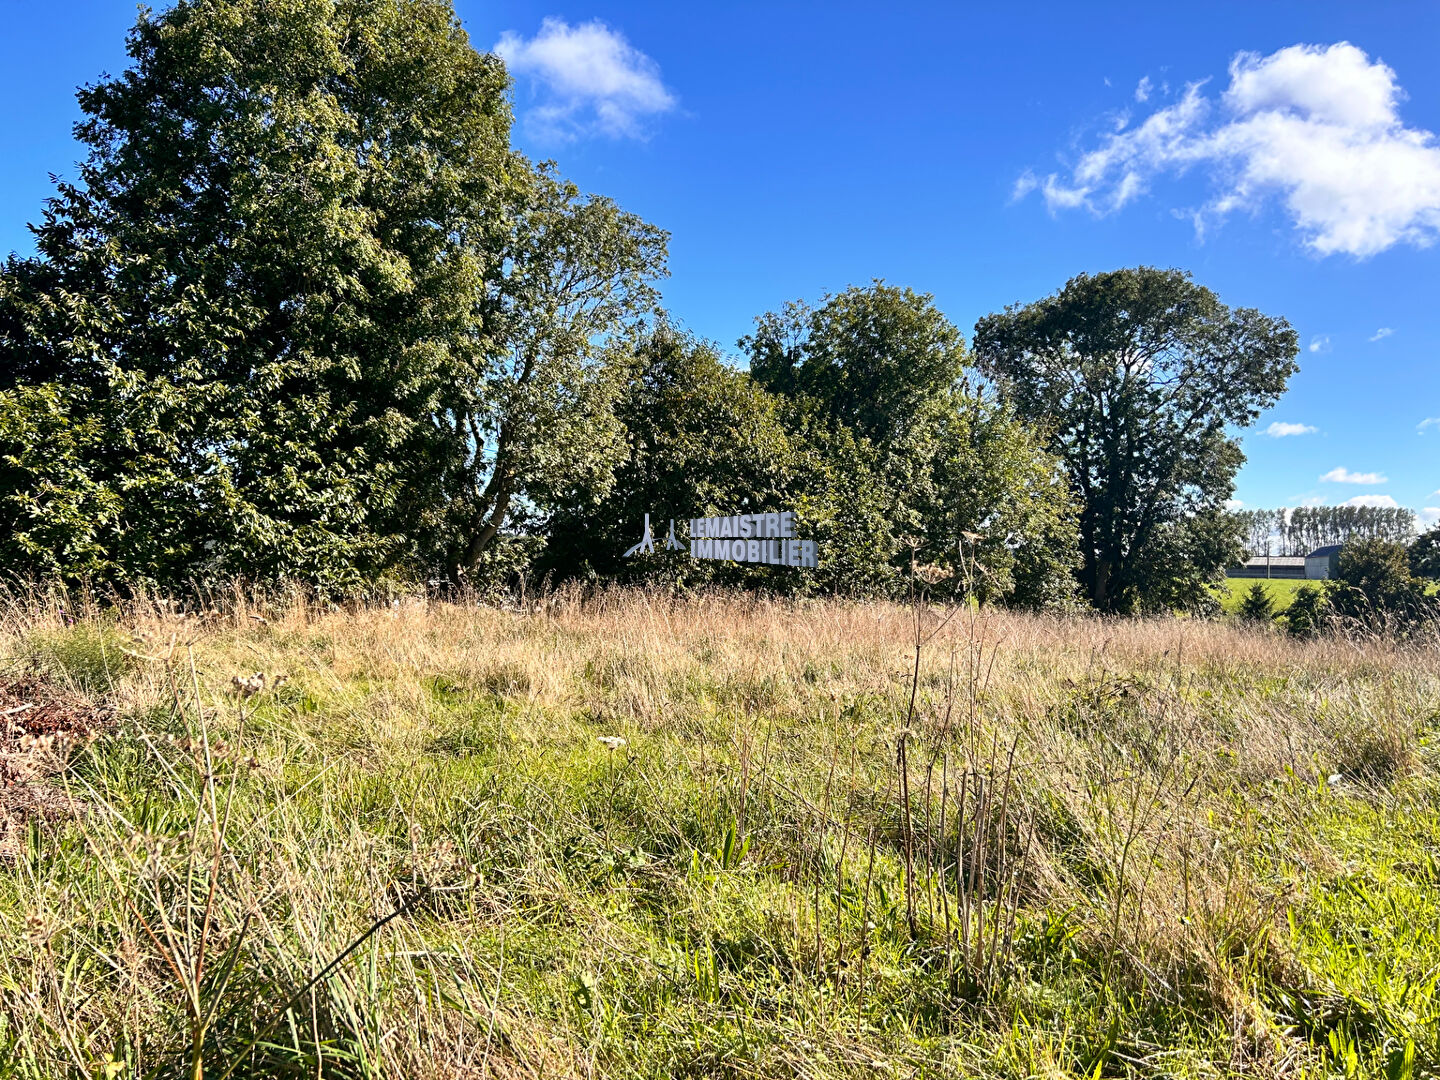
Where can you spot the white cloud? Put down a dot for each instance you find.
(1025, 183)
(1428, 422)
(1320, 343)
(1317, 127)
(1280, 429)
(1382, 333)
(1342, 475)
(1234, 504)
(589, 80)
(1142, 89)
(1429, 516)
(1372, 500)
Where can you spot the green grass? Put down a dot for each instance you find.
(1195, 851)
(1281, 590)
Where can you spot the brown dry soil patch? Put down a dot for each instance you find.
(39, 727)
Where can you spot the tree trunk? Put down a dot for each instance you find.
(483, 530)
(1100, 588)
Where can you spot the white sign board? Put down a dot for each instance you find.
(753, 538)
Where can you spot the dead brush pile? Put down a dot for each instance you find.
(626, 835)
(40, 727)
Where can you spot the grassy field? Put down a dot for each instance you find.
(631, 837)
(1281, 590)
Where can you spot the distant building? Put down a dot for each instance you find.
(1270, 566)
(1320, 563)
(1317, 566)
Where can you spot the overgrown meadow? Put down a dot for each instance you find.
(629, 836)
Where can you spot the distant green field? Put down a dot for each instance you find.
(1282, 590)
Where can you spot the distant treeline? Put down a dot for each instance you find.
(1299, 530)
(305, 313)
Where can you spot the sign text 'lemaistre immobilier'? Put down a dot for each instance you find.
(756, 538)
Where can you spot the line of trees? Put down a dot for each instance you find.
(1300, 530)
(306, 313)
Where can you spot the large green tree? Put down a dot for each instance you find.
(537, 425)
(303, 310)
(875, 359)
(875, 381)
(1139, 377)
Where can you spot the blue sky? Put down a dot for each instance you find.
(1284, 153)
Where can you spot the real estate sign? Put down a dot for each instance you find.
(754, 538)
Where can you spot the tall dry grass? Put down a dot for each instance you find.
(814, 836)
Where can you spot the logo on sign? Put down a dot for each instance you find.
(646, 546)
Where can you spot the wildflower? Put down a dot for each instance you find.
(611, 742)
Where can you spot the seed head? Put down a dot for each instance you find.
(248, 686)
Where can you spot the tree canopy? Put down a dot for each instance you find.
(1373, 588)
(1138, 377)
(875, 359)
(878, 381)
(304, 309)
(1424, 554)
